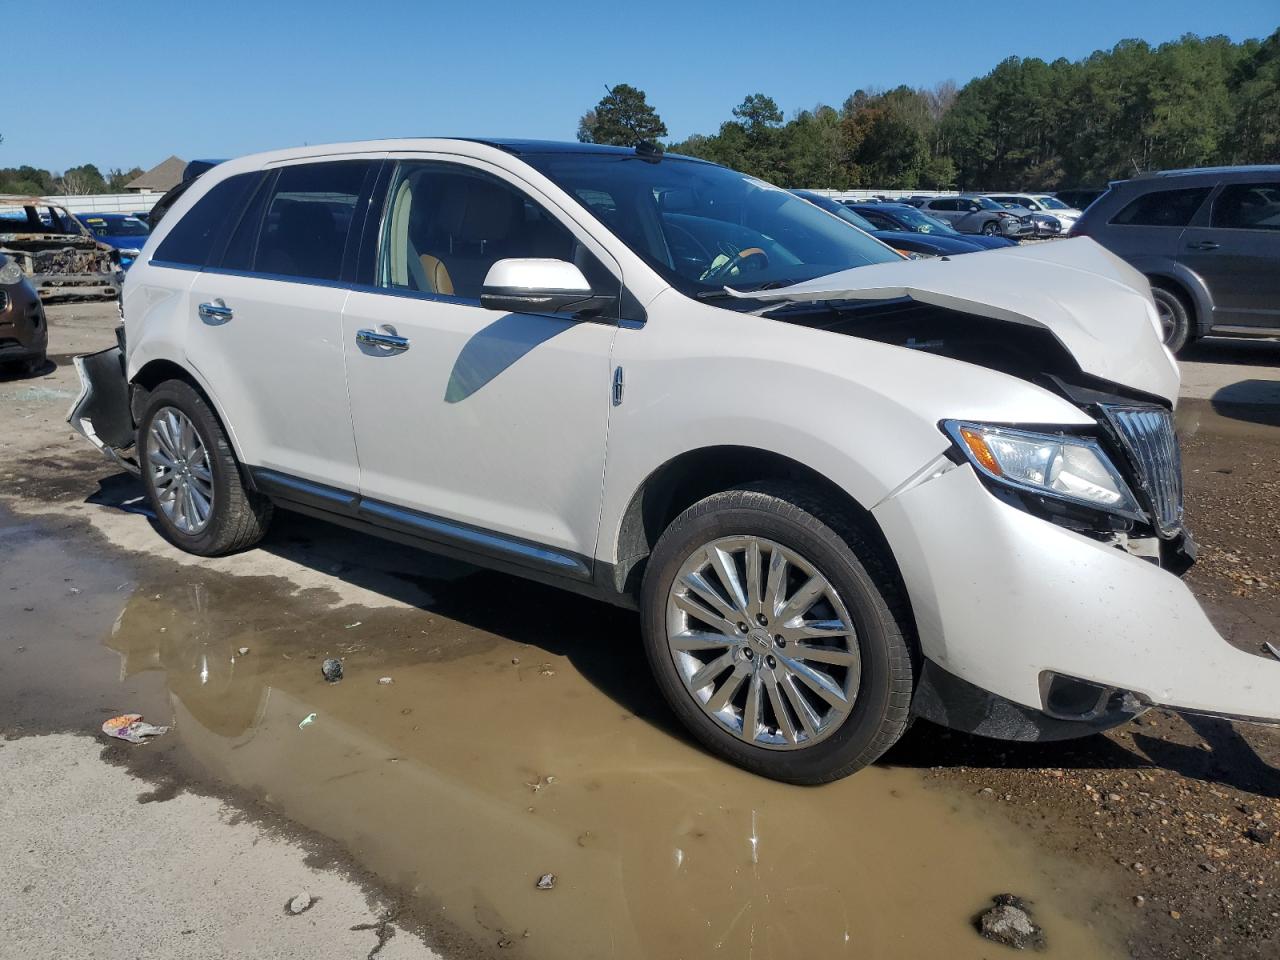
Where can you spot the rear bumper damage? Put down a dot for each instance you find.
(1032, 631)
(101, 413)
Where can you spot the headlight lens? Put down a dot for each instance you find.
(1057, 465)
(10, 272)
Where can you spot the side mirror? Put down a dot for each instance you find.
(531, 285)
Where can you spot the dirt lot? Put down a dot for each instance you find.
(519, 735)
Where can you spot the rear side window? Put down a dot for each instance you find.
(1162, 208)
(192, 239)
(307, 218)
(1248, 206)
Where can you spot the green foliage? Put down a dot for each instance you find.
(1027, 124)
(622, 117)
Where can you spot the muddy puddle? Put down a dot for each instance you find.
(519, 735)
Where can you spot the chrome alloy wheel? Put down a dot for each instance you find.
(1167, 322)
(763, 643)
(180, 471)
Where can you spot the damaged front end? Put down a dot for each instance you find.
(102, 413)
(1047, 606)
(61, 258)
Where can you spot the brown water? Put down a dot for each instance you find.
(470, 774)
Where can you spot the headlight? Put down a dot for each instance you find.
(10, 272)
(1075, 469)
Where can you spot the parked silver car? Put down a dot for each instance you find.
(978, 215)
(1207, 239)
(1045, 224)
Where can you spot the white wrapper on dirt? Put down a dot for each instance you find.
(1095, 304)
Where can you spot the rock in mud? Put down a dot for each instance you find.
(546, 881)
(300, 904)
(332, 670)
(1009, 922)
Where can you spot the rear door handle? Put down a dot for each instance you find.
(215, 312)
(377, 338)
(1203, 245)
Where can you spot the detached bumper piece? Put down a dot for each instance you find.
(101, 412)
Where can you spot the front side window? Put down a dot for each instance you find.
(445, 225)
(1162, 208)
(307, 217)
(191, 241)
(702, 227)
(1247, 206)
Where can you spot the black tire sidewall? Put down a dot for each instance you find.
(877, 634)
(222, 465)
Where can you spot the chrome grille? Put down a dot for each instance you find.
(1149, 439)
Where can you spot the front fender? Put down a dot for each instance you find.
(863, 414)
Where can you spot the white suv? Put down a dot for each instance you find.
(841, 488)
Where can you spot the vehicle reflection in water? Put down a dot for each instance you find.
(471, 775)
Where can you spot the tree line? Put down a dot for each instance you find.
(1028, 124)
(76, 181)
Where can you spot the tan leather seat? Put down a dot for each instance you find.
(437, 275)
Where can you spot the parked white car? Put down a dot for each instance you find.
(1042, 204)
(841, 488)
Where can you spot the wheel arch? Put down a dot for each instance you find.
(1186, 285)
(155, 372)
(694, 474)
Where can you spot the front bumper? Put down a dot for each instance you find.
(1006, 602)
(101, 413)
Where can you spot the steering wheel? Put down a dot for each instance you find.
(715, 274)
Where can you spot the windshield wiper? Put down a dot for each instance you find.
(767, 285)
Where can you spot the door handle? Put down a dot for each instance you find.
(215, 312)
(375, 338)
(1203, 245)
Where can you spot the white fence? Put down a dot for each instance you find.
(108, 202)
(870, 192)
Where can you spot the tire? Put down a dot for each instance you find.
(237, 518)
(1175, 318)
(792, 519)
(991, 228)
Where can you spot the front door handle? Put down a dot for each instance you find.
(1203, 245)
(215, 312)
(376, 338)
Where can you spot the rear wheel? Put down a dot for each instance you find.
(777, 634)
(192, 477)
(1175, 318)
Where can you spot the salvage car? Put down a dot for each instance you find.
(124, 231)
(842, 488)
(1045, 225)
(24, 335)
(61, 258)
(906, 242)
(902, 216)
(978, 215)
(1041, 203)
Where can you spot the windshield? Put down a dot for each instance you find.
(1052, 203)
(986, 203)
(920, 222)
(703, 227)
(116, 227)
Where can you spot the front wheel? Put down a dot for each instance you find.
(778, 634)
(192, 478)
(990, 228)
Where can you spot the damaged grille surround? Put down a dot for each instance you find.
(1146, 435)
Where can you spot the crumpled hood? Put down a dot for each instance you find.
(1096, 305)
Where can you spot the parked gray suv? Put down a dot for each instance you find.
(972, 214)
(1207, 239)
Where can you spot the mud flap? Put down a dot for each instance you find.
(101, 413)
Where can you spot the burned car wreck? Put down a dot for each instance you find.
(62, 259)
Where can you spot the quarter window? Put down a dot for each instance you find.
(192, 238)
(1162, 208)
(1247, 206)
(307, 219)
(446, 225)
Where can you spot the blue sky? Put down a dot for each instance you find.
(233, 77)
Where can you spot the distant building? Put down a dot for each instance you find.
(159, 178)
